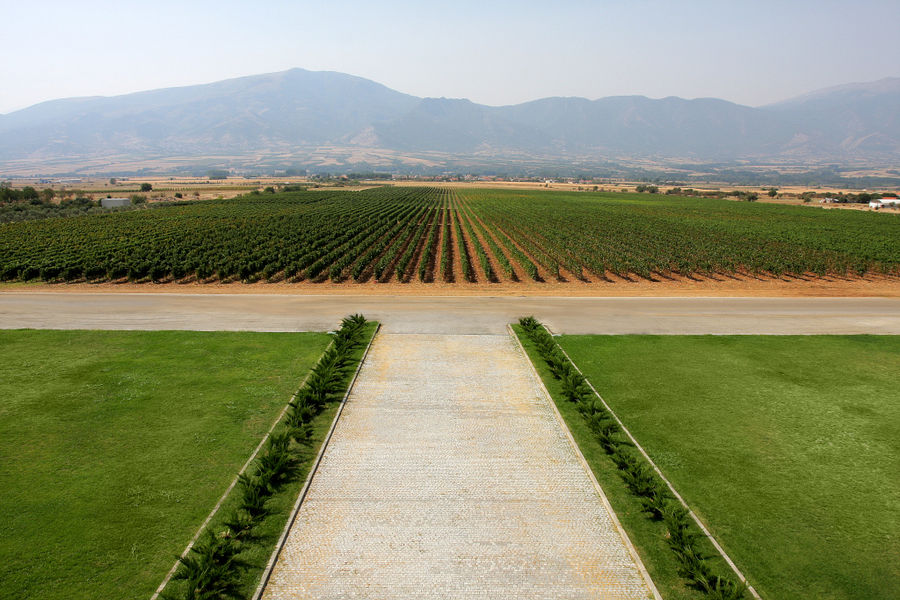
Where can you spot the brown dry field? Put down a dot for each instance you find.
(164, 188)
(616, 187)
(737, 286)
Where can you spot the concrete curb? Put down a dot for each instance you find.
(234, 481)
(270, 565)
(559, 418)
(668, 483)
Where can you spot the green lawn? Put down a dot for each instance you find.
(257, 551)
(115, 445)
(787, 446)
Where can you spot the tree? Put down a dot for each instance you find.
(773, 191)
(146, 187)
(48, 194)
(112, 181)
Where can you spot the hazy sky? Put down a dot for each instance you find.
(493, 52)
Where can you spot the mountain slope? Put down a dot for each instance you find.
(279, 113)
(249, 113)
(671, 126)
(858, 118)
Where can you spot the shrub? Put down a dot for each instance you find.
(211, 569)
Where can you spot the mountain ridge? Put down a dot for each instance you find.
(297, 110)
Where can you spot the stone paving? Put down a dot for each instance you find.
(449, 476)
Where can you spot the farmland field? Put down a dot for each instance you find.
(435, 235)
(116, 445)
(786, 446)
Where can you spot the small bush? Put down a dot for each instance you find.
(211, 569)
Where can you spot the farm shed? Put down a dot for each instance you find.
(115, 202)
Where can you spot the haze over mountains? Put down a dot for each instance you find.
(296, 114)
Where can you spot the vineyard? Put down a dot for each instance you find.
(430, 235)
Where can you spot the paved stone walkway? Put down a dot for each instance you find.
(449, 476)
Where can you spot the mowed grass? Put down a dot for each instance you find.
(116, 445)
(787, 446)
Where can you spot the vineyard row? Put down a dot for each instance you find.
(438, 235)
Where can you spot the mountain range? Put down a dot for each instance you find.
(301, 117)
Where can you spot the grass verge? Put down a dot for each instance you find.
(115, 446)
(788, 447)
(231, 556)
(647, 535)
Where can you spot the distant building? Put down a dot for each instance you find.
(115, 202)
(884, 202)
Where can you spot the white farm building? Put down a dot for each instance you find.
(115, 202)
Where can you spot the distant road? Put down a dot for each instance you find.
(459, 314)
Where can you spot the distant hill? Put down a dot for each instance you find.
(237, 115)
(858, 119)
(287, 111)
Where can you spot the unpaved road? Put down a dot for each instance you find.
(449, 475)
(450, 315)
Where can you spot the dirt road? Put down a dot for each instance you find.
(450, 315)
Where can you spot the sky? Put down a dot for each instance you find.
(492, 52)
